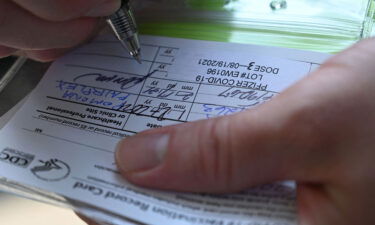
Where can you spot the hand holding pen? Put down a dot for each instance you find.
(43, 30)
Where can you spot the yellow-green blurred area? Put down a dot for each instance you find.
(317, 25)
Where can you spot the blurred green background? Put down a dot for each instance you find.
(317, 25)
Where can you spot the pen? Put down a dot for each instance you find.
(123, 25)
(13, 70)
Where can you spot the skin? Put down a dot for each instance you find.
(44, 30)
(320, 132)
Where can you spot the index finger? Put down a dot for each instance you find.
(62, 10)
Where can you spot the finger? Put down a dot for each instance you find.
(294, 136)
(87, 220)
(6, 51)
(62, 10)
(219, 155)
(315, 206)
(20, 29)
(49, 54)
(46, 55)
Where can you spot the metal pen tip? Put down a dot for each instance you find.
(124, 27)
(138, 58)
(132, 45)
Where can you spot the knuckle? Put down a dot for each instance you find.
(57, 10)
(4, 55)
(309, 139)
(62, 12)
(215, 158)
(305, 129)
(42, 56)
(54, 16)
(83, 30)
(5, 51)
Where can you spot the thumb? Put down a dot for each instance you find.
(296, 136)
(218, 155)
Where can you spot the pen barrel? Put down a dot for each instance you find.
(123, 23)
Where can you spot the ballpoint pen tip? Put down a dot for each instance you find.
(138, 59)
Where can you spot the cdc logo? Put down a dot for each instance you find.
(16, 158)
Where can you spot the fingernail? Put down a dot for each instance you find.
(140, 153)
(105, 8)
